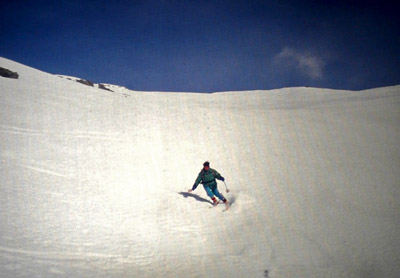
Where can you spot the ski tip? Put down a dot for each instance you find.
(227, 206)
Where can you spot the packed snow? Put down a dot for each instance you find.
(94, 183)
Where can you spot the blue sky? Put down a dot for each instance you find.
(208, 46)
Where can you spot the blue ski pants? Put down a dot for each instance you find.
(213, 190)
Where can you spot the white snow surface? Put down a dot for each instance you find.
(93, 182)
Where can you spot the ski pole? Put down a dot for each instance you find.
(227, 190)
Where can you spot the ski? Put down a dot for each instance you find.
(227, 206)
(215, 204)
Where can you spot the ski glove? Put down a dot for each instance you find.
(222, 178)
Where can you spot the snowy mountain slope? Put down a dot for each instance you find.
(94, 183)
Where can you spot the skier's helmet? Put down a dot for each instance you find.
(206, 164)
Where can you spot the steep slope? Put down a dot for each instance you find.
(94, 182)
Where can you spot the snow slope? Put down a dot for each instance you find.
(93, 182)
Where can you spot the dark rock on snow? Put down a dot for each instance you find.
(8, 73)
(85, 82)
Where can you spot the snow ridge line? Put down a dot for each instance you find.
(76, 134)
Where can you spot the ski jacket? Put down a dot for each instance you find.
(207, 178)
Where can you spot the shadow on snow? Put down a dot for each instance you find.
(196, 197)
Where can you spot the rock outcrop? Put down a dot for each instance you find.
(8, 73)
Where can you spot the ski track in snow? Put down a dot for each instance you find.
(62, 255)
(75, 134)
(45, 171)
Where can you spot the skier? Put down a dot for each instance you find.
(207, 178)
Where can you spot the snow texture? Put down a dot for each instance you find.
(94, 183)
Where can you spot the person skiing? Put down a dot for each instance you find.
(207, 178)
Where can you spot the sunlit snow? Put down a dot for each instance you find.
(94, 183)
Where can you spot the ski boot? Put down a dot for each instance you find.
(215, 201)
(227, 205)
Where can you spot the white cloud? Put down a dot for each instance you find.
(309, 64)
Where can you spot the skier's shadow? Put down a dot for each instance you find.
(196, 197)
